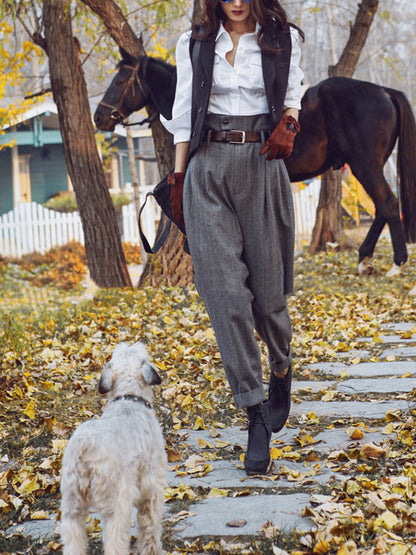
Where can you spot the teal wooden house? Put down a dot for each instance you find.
(34, 168)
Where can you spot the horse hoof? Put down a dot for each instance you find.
(396, 270)
(365, 267)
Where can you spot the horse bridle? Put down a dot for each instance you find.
(117, 113)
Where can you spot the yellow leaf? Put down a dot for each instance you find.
(389, 429)
(209, 334)
(199, 424)
(275, 453)
(329, 395)
(322, 546)
(305, 439)
(312, 417)
(355, 433)
(203, 444)
(392, 415)
(387, 520)
(187, 402)
(406, 438)
(29, 486)
(39, 515)
(94, 526)
(215, 492)
(30, 410)
(219, 444)
(373, 451)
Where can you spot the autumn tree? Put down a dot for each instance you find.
(53, 33)
(11, 65)
(328, 223)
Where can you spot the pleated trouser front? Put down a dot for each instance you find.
(239, 219)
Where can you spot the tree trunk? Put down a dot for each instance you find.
(327, 228)
(356, 41)
(171, 265)
(106, 260)
(328, 223)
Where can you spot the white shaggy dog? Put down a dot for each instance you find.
(117, 461)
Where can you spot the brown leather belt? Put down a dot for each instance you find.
(232, 136)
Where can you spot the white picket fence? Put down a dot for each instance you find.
(305, 202)
(30, 227)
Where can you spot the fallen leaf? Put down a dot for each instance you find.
(373, 451)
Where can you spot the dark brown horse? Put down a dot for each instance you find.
(343, 121)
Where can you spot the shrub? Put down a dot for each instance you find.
(65, 201)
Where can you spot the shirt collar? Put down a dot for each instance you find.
(222, 31)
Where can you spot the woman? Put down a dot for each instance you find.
(234, 119)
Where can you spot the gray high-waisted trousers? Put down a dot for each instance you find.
(239, 219)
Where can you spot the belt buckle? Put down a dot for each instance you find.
(243, 137)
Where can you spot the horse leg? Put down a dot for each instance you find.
(399, 246)
(366, 250)
(387, 210)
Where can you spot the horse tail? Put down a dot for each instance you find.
(406, 162)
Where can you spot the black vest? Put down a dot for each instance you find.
(275, 73)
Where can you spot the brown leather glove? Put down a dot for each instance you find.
(175, 180)
(280, 142)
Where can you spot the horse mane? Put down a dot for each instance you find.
(164, 65)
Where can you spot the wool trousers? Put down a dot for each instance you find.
(239, 218)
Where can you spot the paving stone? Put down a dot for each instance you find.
(367, 369)
(338, 439)
(400, 352)
(354, 353)
(230, 474)
(342, 409)
(233, 435)
(358, 385)
(399, 326)
(41, 530)
(371, 385)
(211, 515)
(314, 386)
(388, 339)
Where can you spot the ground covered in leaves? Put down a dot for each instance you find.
(53, 344)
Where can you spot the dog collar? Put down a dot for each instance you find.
(135, 398)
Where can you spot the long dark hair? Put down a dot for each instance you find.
(264, 13)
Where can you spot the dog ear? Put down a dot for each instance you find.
(151, 377)
(106, 379)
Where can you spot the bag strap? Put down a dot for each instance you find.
(156, 247)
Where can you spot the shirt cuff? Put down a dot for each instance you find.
(182, 136)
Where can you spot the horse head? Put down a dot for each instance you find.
(140, 81)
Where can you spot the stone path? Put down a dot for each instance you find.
(237, 506)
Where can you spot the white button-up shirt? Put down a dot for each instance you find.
(236, 90)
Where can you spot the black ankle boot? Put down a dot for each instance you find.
(279, 397)
(257, 458)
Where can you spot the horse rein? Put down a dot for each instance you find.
(117, 113)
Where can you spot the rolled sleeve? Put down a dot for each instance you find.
(180, 124)
(294, 86)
